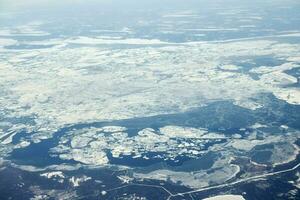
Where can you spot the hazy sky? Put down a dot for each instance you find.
(8, 4)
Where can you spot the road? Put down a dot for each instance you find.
(253, 178)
